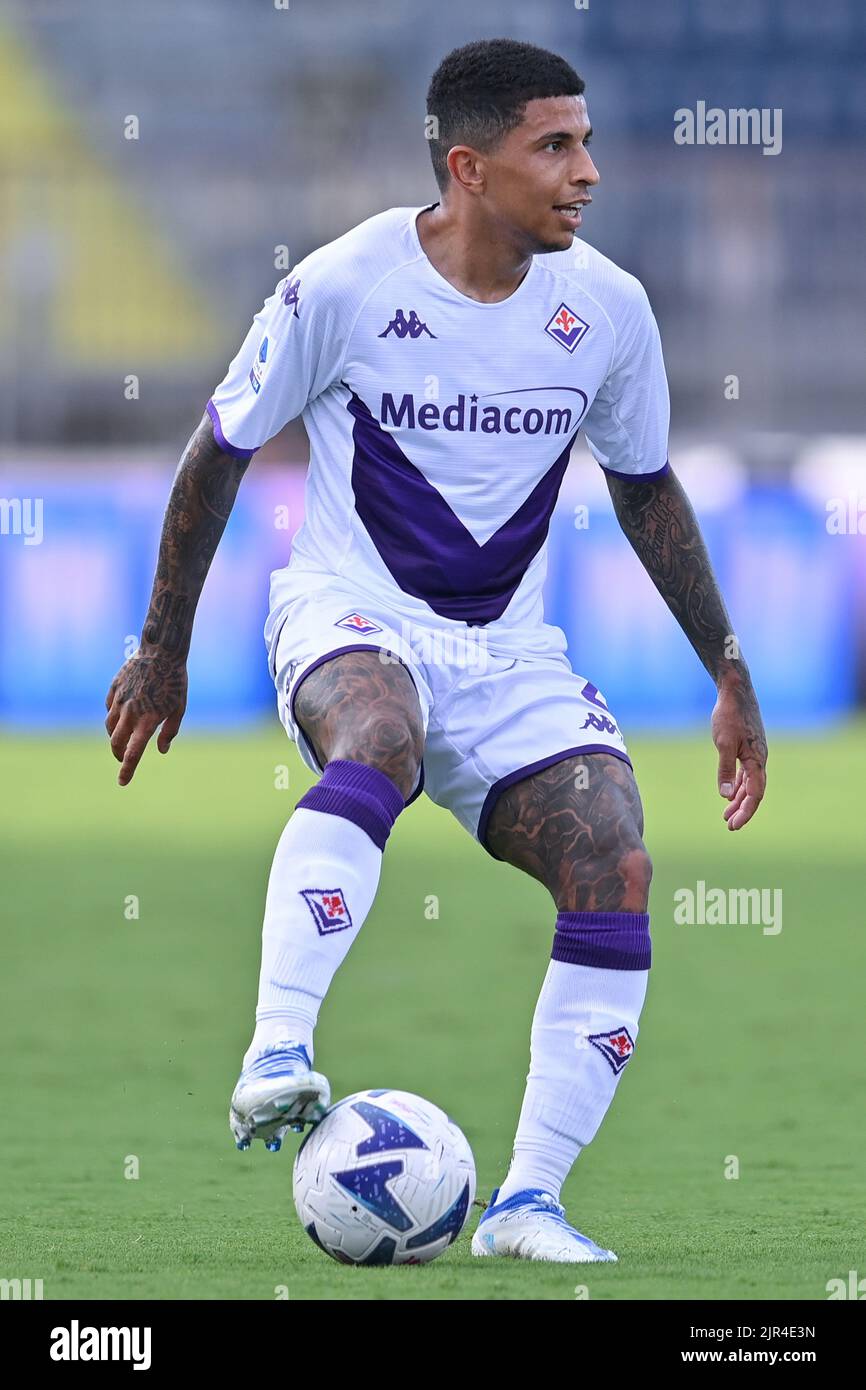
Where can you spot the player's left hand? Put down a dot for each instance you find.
(738, 733)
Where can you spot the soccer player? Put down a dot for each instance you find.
(444, 359)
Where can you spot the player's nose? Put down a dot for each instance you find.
(587, 173)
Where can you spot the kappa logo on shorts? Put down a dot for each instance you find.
(616, 1047)
(329, 909)
(600, 722)
(567, 328)
(356, 622)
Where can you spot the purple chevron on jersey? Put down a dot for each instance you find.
(426, 547)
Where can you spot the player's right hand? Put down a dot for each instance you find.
(148, 690)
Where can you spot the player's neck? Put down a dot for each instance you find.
(469, 254)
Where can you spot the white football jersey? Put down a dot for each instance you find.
(440, 428)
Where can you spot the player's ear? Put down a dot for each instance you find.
(466, 168)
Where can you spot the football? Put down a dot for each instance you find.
(386, 1178)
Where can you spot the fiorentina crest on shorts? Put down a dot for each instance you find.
(616, 1046)
(329, 909)
(356, 622)
(567, 328)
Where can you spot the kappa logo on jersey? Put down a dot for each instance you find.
(257, 370)
(600, 722)
(406, 328)
(567, 328)
(290, 298)
(329, 909)
(356, 622)
(616, 1046)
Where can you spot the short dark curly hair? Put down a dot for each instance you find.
(478, 93)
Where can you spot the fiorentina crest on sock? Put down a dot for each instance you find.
(329, 909)
(616, 1046)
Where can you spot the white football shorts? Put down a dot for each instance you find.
(489, 720)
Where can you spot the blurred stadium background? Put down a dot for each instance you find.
(259, 128)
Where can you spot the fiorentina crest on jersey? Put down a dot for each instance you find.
(356, 622)
(616, 1047)
(329, 909)
(567, 328)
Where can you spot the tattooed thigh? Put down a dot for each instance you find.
(577, 827)
(359, 707)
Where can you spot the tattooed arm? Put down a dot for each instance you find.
(150, 689)
(661, 525)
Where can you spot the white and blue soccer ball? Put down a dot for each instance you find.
(386, 1178)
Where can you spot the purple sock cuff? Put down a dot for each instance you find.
(605, 940)
(358, 793)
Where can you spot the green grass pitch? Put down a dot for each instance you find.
(122, 1036)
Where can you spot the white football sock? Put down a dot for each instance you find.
(584, 1028)
(321, 887)
(302, 948)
